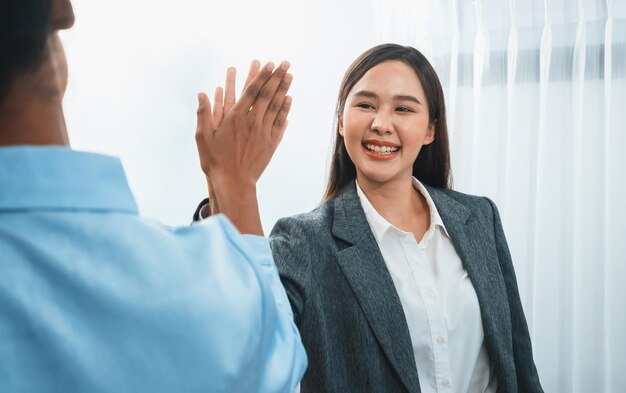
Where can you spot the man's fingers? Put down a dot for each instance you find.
(218, 106)
(268, 91)
(280, 123)
(251, 92)
(277, 102)
(255, 67)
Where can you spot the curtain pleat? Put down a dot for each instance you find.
(606, 289)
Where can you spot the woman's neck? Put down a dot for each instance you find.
(399, 203)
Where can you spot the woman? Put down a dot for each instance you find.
(398, 283)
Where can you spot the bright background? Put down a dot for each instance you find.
(536, 97)
(136, 68)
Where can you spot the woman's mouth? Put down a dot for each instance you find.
(380, 151)
(385, 150)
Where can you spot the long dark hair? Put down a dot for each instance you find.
(432, 165)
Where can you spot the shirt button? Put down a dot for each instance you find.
(430, 294)
(445, 382)
(440, 340)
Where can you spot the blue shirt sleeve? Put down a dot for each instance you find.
(282, 357)
(113, 302)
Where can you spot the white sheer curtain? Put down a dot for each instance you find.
(536, 95)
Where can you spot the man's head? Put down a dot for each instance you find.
(33, 71)
(26, 27)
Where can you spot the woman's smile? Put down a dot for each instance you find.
(380, 150)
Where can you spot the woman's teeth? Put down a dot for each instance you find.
(382, 149)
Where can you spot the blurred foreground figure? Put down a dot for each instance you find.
(94, 297)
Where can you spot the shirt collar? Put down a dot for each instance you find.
(58, 178)
(380, 225)
(435, 218)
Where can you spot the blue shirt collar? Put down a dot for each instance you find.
(58, 178)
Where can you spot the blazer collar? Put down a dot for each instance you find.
(350, 223)
(449, 209)
(365, 269)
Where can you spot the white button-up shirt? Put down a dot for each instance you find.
(439, 303)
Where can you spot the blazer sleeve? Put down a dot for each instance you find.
(291, 250)
(526, 371)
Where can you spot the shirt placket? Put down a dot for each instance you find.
(418, 255)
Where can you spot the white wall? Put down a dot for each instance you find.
(136, 66)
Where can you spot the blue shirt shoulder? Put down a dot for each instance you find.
(94, 297)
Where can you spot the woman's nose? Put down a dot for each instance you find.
(381, 124)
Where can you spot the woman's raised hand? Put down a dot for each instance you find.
(237, 139)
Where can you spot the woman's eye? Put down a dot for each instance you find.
(364, 105)
(403, 109)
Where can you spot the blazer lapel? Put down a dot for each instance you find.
(366, 271)
(479, 258)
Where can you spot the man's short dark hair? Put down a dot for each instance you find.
(24, 27)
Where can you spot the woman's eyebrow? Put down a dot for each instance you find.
(400, 97)
(365, 93)
(406, 98)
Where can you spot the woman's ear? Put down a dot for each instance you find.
(62, 16)
(340, 124)
(430, 134)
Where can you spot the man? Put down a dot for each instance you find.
(95, 298)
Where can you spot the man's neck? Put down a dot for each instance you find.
(32, 111)
(40, 122)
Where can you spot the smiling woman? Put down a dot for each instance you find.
(395, 275)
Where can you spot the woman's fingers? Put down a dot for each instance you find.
(255, 67)
(229, 94)
(218, 107)
(205, 118)
(204, 129)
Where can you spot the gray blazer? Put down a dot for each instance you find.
(349, 313)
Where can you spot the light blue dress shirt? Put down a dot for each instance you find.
(94, 298)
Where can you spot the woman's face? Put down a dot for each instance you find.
(385, 123)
